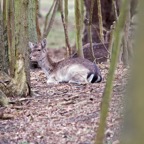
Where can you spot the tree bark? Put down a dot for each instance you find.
(78, 27)
(11, 36)
(109, 84)
(65, 26)
(126, 41)
(3, 98)
(109, 11)
(15, 27)
(47, 30)
(22, 73)
(108, 16)
(33, 37)
(5, 40)
(133, 129)
(2, 48)
(37, 22)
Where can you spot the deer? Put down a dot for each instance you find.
(69, 70)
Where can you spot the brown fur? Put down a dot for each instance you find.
(73, 70)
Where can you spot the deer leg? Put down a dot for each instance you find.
(78, 79)
(52, 80)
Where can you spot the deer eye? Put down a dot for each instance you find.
(39, 50)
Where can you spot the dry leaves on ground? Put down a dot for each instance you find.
(63, 113)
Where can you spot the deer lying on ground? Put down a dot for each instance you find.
(71, 70)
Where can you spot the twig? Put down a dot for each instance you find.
(6, 117)
(20, 100)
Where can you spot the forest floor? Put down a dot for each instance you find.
(63, 113)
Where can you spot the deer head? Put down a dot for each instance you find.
(37, 50)
(72, 70)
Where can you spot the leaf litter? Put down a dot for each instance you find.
(63, 113)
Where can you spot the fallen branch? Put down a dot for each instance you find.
(20, 100)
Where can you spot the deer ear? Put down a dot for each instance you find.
(31, 45)
(43, 43)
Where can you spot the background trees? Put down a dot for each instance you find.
(19, 24)
(101, 33)
(18, 27)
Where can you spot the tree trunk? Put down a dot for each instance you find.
(65, 25)
(133, 128)
(32, 17)
(126, 41)
(5, 40)
(14, 26)
(108, 10)
(78, 27)
(2, 49)
(109, 84)
(108, 16)
(11, 36)
(37, 22)
(49, 26)
(22, 73)
(3, 98)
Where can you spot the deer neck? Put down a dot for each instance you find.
(51, 62)
(45, 62)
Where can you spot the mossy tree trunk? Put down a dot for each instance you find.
(126, 42)
(11, 36)
(32, 18)
(17, 26)
(109, 84)
(5, 40)
(133, 129)
(3, 98)
(22, 73)
(2, 48)
(78, 19)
